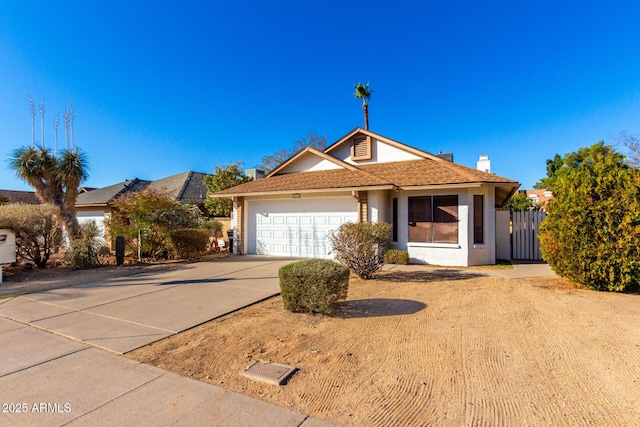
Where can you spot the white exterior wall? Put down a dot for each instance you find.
(483, 254)
(234, 227)
(7, 247)
(308, 163)
(377, 206)
(450, 254)
(380, 153)
(462, 254)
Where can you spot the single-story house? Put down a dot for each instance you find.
(442, 213)
(96, 204)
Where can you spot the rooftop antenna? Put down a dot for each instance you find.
(32, 107)
(55, 130)
(42, 121)
(73, 141)
(66, 127)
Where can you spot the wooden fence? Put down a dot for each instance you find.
(525, 226)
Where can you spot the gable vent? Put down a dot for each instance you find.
(361, 148)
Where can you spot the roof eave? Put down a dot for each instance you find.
(91, 205)
(440, 186)
(306, 191)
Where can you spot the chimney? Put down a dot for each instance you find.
(255, 173)
(446, 156)
(484, 164)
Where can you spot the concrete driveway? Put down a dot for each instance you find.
(125, 313)
(47, 380)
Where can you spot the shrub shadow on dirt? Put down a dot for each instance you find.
(376, 307)
(435, 275)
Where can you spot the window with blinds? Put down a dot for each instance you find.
(433, 219)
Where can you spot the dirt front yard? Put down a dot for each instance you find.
(420, 349)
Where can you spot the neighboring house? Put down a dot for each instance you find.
(27, 197)
(96, 204)
(539, 197)
(442, 213)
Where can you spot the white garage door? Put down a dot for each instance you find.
(97, 216)
(297, 227)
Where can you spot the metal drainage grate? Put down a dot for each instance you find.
(272, 373)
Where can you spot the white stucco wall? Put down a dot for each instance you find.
(234, 227)
(463, 253)
(450, 254)
(7, 247)
(377, 209)
(483, 254)
(310, 162)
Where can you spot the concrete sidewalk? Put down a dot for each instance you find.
(520, 270)
(524, 269)
(47, 380)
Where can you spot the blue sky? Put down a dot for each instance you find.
(162, 87)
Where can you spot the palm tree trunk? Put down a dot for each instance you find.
(71, 223)
(365, 107)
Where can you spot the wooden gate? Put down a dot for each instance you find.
(525, 226)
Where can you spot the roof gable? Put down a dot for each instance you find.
(310, 159)
(380, 149)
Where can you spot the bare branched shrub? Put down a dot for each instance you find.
(38, 232)
(361, 246)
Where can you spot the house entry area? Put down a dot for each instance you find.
(297, 227)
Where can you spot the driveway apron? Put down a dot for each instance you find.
(125, 313)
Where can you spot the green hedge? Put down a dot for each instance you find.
(313, 285)
(395, 256)
(592, 232)
(189, 243)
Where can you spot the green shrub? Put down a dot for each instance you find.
(361, 246)
(150, 215)
(189, 243)
(592, 231)
(313, 285)
(395, 256)
(212, 224)
(83, 253)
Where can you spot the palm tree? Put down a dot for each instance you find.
(363, 92)
(55, 179)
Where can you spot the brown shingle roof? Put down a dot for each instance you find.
(186, 187)
(28, 197)
(430, 172)
(399, 174)
(317, 180)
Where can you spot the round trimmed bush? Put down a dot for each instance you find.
(313, 285)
